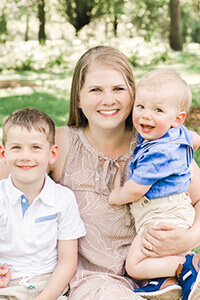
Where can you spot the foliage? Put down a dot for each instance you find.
(111, 11)
(191, 21)
(149, 17)
(78, 12)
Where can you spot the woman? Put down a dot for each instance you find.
(94, 152)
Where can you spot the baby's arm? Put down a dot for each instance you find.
(130, 192)
(65, 269)
(195, 140)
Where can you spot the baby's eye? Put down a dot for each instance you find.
(140, 106)
(158, 110)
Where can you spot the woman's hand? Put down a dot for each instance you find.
(164, 239)
(5, 276)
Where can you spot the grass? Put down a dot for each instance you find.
(56, 107)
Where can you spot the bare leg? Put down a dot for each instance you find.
(139, 266)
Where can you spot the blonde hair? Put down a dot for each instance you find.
(30, 118)
(100, 55)
(168, 77)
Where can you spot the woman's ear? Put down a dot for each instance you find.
(79, 104)
(180, 118)
(2, 154)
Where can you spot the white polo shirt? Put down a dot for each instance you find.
(29, 234)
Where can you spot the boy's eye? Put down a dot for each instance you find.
(158, 110)
(15, 147)
(36, 147)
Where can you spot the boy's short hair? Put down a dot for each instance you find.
(30, 118)
(164, 77)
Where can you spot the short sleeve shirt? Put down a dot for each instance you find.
(163, 163)
(29, 233)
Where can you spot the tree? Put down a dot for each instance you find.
(41, 17)
(112, 10)
(176, 36)
(79, 12)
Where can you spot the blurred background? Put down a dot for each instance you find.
(41, 40)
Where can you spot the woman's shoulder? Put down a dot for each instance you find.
(62, 140)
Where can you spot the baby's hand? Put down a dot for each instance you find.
(113, 197)
(5, 276)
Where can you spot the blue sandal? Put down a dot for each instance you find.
(166, 288)
(189, 277)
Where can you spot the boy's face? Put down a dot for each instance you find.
(155, 111)
(27, 154)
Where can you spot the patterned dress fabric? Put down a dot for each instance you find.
(109, 229)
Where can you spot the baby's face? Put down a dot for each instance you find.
(155, 111)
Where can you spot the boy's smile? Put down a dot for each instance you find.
(27, 154)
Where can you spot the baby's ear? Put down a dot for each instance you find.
(180, 118)
(2, 154)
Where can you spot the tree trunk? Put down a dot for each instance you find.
(41, 17)
(27, 28)
(176, 36)
(115, 25)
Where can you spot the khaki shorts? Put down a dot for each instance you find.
(14, 291)
(176, 209)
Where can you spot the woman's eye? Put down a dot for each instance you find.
(95, 90)
(118, 89)
(15, 148)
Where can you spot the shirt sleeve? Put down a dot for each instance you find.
(156, 164)
(70, 225)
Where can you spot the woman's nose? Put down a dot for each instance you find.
(108, 98)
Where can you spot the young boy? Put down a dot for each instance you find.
(159, 177)
(39, 219)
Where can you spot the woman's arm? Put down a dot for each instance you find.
(168, 239)
(62, 141)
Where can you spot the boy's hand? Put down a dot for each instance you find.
(5, 276)
(114, 196)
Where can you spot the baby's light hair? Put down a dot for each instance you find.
(30, 118)
(167, 77)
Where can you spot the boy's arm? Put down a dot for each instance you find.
(195, 140)
(65, 269)
(130, 192)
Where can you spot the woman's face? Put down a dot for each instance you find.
(105, 99)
